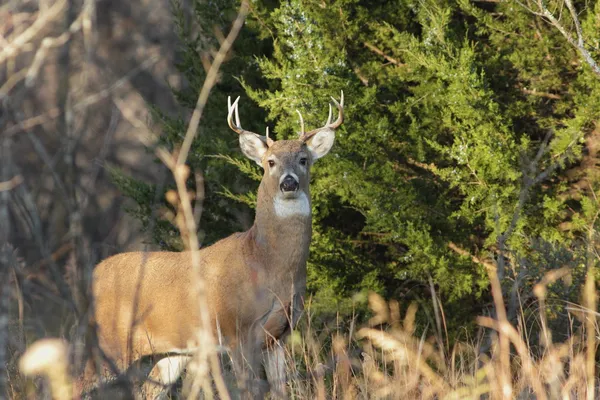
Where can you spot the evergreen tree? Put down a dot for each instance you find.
(466, 124)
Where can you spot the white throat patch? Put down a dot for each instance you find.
(299, 206)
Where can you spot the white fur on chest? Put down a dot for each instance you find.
(292, 207)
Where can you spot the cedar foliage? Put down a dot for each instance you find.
(471, 134)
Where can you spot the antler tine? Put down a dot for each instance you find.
(237, 114)
(301, 123)
(329, 124)
(231, 109)
(269, 140)
(330, 115)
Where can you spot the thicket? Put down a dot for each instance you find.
(470, 142)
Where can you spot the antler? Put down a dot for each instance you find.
(304, 136)
(237, 127)
(301, 123)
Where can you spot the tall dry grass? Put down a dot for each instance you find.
(388, 359)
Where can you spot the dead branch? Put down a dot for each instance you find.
(380, 52)
(459, 250)
(576, 39)
(16, 45)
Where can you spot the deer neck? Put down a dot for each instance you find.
(282, 231)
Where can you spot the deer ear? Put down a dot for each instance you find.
(253, 146)
(321, 143)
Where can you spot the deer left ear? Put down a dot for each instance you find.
(320, 144)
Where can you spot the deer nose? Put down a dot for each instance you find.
(289, 184)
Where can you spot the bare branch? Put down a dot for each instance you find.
(380, 52)
(546, 95)
(578, 43)
(576, 22)
(16, 45)
(50, 42)
(459, 250)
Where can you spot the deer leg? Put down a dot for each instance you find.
(164, 374)
(249, 374)
(96, 372)
(272, 355)
(275, 368)
(87, 379)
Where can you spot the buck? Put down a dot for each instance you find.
(255, 280)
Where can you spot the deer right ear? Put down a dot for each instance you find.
(253, 146)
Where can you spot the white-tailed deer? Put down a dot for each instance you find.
(255, 280)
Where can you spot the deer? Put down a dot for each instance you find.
(255, 280)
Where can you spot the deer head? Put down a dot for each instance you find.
(287, 163)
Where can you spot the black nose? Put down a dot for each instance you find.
(289, 184)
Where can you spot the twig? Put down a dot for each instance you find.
(16, 44)
(546, 95)
(380, 52)
(48, 43)
(576, 22)
(578, 43)
(12, 81)
(11, 184)
(473, 257)
(431, 167)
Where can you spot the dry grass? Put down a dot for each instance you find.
(386, 358)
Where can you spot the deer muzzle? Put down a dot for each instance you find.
(289, 184)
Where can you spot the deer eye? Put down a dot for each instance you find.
(271, 163)
(303, 161)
